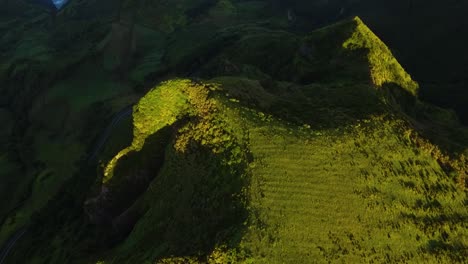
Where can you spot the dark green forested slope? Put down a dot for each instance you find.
(252, 139)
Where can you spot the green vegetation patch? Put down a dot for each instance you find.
(162, 107)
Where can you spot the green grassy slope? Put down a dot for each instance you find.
(316, 159)
(367, 194)
(365, 191)
(362, 189)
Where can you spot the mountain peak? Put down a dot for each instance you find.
(384, 67)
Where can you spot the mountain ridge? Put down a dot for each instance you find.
(279, 147)
(221, 252)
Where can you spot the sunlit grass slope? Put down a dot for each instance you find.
(359, 195)
(362, 192)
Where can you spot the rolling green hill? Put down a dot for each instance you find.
(276, 147)
(293, 194)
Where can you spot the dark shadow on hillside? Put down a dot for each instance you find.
(321, 105)
(398, 97)
(202, 203)
(63, 219)
(329, 106)
(132, 175)
(441, 126)
(448, 95)
(187, 202)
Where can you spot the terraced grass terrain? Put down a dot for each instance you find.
(367, 194)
